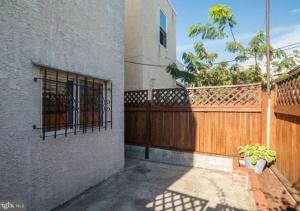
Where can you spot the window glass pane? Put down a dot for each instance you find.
(163, 21)
(71, 101)
(163, 38)
(90, 104)
(57, 107)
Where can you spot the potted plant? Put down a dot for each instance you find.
(257, 156)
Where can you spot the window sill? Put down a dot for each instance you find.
(162, 46)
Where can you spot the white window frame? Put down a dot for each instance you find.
(163, 12)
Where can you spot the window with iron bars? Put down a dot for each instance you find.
(73, 103)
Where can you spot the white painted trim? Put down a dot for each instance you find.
(172, 7)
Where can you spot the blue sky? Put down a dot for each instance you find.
(250, 16)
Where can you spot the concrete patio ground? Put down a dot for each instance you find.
(145, 185)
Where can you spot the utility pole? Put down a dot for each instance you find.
(268, 68)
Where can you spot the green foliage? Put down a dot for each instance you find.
(257, 48)
(201, 69)
(207, 31)
(176, 73)
(256, 152)
(222, 15)
(287, 62)
(235, 47)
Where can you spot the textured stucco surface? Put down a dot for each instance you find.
(86, 37)
(142, 44)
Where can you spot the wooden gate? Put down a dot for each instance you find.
(212, 120)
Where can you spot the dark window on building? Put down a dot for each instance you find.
(73, 103)
(163, 29)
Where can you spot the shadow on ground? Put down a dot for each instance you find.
(146, 185)
(276, 195)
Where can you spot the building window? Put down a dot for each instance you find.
(163, 29)
(73, 103)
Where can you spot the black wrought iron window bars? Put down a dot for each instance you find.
(73, 103)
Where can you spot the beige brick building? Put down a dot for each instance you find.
(150, 43)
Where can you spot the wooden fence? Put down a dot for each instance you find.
(285, 127)
(209, 119)
(219, 119)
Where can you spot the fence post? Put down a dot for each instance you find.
(148, 128)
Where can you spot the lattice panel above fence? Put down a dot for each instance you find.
(288, 90)
(136, 97)
(220, 96)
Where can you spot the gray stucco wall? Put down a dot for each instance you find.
(78, 35)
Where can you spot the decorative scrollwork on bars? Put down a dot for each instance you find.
(220, 96)
(288, 90)
(73, 103)
(139, 97)
(106, 104)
